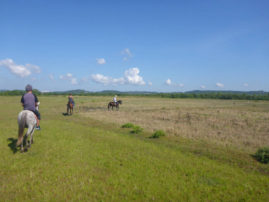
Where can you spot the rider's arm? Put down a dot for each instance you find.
(22, 100)
(36, 100)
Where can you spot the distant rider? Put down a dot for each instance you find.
(115, 99)
(30, 102)
(71, 99)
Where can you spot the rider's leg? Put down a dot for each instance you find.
(38, 117)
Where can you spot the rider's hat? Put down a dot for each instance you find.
(28, 88)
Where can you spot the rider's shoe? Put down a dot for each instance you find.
(38, 128)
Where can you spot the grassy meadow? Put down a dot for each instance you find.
(205, 155)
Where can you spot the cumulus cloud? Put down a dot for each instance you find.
(69, 77)
(101, 61)
(168, 82)
(220, 85)
(202, 86)
(126, 53)
(245, 84)
(19, 70)
(131, 76)
(150, 83)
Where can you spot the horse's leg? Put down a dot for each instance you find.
(31, 136)
(22, 147)
(30, 132)
(67, 109)
(20, 136)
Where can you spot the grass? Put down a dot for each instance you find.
(84, 158)
(158, 133)
(241, 124)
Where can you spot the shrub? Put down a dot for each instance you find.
(128, 125)
(158, 134)
(262, 155)
(137, 129)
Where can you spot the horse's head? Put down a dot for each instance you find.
(120, 102)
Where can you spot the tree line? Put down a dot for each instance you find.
(194, 95)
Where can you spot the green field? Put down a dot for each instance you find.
(205, 155)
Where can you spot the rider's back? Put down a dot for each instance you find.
(29, 100)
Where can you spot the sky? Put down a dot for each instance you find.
(163, 46)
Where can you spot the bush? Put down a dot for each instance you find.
(128, 125)
(158, 134)
(137, 129)
(262, 155)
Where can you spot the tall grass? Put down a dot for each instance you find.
(240, 124)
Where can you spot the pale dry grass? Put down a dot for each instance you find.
(243, 124)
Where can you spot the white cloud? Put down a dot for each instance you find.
(19, 70)
(69, 77)
(99, 78)
(131, 76)
(220, 85)
(202, 86)
(35, 68)
(101, 61)
(245, 84)
(150, 83)
(127, 54)
(168, 82)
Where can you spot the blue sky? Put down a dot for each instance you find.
(134, 45)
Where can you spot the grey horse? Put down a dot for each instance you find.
(26, 119)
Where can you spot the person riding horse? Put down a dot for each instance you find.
(115, 103)
(29, 102)
(70, 104)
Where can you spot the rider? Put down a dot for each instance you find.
(29, 102)
(71, 99)
(115, 99)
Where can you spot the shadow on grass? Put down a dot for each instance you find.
(65, 114)
(12, 144)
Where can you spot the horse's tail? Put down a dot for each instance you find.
(21, 122)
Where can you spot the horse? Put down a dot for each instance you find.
(70, 107)
(26, 119)
(113, 104)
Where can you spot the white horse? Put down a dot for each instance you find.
(26, 119)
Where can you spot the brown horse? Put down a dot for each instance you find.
(70, 106)
(113, 104)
